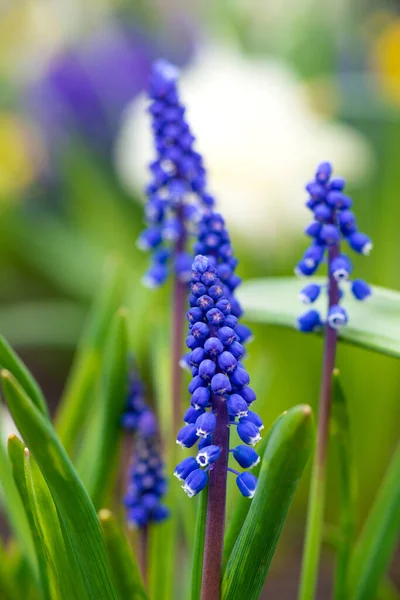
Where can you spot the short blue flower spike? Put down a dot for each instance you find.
(215, 341)
(147, 483)
(333, 223)
(176, 194)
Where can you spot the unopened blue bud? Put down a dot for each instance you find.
(192, 413)
(237, 350)
(322, 213)
(215, 316)
(213, 346)
(196, 383)
(347, 222)
(195, 482)
(337, 317)
(324, 171)
(208, 455)
(360, 242)
(247, 394)
(248, 432)
(205, 424)
(313, 229)
(341, 267)
(227, 362)
(186, 466)
(237, 406)
(309, 321)
(361, 290)
(239, 377)
(304, 269)
(337, 200)
(254, 418)
(220, 384)
(243, 332)
(201, 398)
(246, 457)
(330, 234)
(310, 293)
(227, 335)
(247, 484)
(187, 436)
(207, 369)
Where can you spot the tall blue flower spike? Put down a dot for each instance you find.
(216, 352)
(147, 482)
(177, 190)
(333, 223)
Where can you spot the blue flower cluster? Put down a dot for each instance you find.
(333, 222)
(177, 191)
(216, 352)
(147, 483)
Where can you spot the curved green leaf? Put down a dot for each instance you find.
(127, 578)
(72, 501)
(282, 465)
(340, 429)
(242, 505)
(63, 582)
(10, 360)
(373, 324)
(379, 537)
(13, 503)
(198, 546)
(101, 444)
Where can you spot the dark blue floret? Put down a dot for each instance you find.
(219, 374)
(333, 222)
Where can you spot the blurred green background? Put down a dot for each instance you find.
(272, 88)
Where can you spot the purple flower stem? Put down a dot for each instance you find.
(328, 367)
(178, 323)
(143, 552)
(316, 504)
(215, 524)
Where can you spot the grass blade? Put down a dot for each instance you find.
(242, 504)
(127, 578)
(16, 456)
(76, 401)
(197, 560)
(101, 445)
(341, 430)
(379, 536)
(14, 508)
(74, 505)
(10, 360)
(63, 582)
(282, 465)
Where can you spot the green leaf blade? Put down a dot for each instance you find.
(378, 539)
(282, 466)
(373, 324)
(70, 497)
(127, 578)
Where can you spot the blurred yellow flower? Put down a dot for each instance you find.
(17, 167)
(386, 55)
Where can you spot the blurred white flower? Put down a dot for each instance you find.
(260, 139)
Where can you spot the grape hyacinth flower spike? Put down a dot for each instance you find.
(333, 224)
(147, 483)
(220, 399)
(176, 197)
(176, 193)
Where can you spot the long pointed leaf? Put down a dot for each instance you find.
(76, 401)
(341, 430)
(10, 360)
(197, 561)
(125, 569)
(242, 504)
(378, 539)
(102, 442)
(374, 324)
(75, 507)
(282, 466)
(14, 508)
(63, 583)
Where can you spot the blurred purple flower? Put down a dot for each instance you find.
(85, 89)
